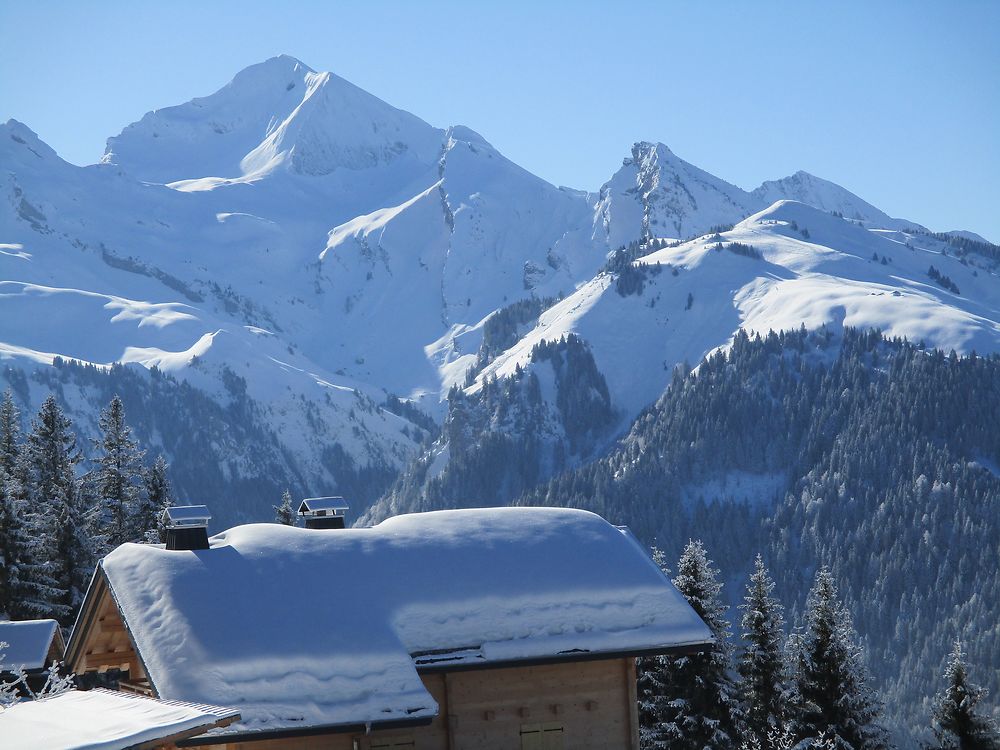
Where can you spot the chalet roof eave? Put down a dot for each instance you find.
(86, 608)
(681, 649)
(313, 731)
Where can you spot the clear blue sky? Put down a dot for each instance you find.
(897, 101)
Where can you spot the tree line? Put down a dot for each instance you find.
(778, 690)
(57, 521)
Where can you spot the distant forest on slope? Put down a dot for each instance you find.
(871, 456)
(222, 451)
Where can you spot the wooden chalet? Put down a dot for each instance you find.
(33, 645)
(498, 628)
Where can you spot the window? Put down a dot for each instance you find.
(542, 736)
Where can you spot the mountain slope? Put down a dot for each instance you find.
(813, 269)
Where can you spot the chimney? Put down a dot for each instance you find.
(323, 512)
(187, 526)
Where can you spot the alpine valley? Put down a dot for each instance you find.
(292, 284)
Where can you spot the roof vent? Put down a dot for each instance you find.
(323, 512)
(187, 526)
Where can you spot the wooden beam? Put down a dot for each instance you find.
(107, 658)
(632, 701)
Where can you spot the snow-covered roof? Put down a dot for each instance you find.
(187, 515)
(28, 643)
(103, 720)
(305, 628)
(322, 506)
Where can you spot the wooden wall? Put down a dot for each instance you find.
(593, 703)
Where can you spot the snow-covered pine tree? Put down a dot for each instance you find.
(118, 477)
(10, 433)
(832, 697)
(761, 662)
(9, 533)
(10, 430)
(956, 722)
(58, 507)
(158, 497)
(32, 586)
(285, 513)
(702, 711)
(651, 688)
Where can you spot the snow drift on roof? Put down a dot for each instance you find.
(301, 627)
(101, 720)
(27, 642)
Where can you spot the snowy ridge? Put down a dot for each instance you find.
(522, 584)
(829, 279)
(657, 194)
(830, 197)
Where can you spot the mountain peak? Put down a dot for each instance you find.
(658, 194)
(273, 114)
(20, 136)
(467, 134)
(645, 150)
(270, 71)
(827, 196)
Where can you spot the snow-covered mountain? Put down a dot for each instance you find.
(812, 268)
(830, 197)
(279, 114)
(657, 194)
(295, 234)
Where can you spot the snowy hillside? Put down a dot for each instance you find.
(295, 240)
(813, 269)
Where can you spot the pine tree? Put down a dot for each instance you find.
(761, 664)
(832, 697)
(651, 687)
(56, 505)
(285, 513)
(10, 434)
(956, 723)
(703, 709)
(31, 577)
(157, 498)
(118, 477)
(10, 429)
